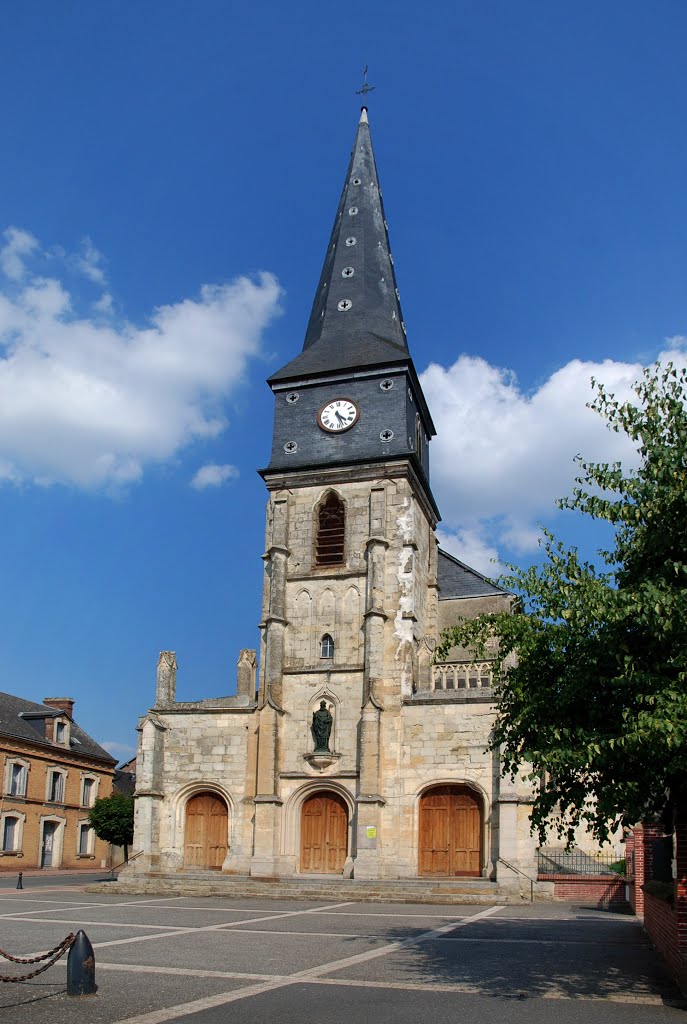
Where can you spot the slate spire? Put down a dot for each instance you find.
(356, 317)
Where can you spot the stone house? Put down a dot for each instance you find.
(52, 773)
(351, 753)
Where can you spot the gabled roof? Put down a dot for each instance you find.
(358, 272)
(457, 580)
(24, 720)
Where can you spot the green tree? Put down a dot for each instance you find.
(112, 817)
(592, 667)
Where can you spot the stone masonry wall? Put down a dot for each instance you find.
(203, 751)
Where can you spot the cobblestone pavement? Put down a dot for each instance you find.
(256, 960)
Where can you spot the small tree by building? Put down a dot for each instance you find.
(112, 818)
(592, 702)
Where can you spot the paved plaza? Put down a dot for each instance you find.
(256, 960)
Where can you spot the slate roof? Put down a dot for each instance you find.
(370, 330)
(31, 728)
(458, 580)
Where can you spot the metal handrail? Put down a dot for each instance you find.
(128, 860)
(519, 872)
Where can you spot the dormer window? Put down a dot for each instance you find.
(61, 732)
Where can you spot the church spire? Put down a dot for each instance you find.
(356, 317)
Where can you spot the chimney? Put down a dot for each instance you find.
(65, 704)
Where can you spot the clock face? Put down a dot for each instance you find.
(337, 416)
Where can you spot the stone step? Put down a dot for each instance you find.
(447, 892)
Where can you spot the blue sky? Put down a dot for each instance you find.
(170, 173)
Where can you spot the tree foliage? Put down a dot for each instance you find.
(112, 817)
(593, 664)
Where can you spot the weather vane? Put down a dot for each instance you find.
(366, 88)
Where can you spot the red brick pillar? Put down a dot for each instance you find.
(630, 868)
(644, 835)
(681, 887)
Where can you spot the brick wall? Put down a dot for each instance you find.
(34, 807)
(665, 921)
(601, 890)
(661, 924)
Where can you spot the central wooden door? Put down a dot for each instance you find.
(205, 844)
(324, 834)
(450, 832)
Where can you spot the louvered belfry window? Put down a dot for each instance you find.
(329, 549)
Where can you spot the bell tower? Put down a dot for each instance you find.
(349, 610)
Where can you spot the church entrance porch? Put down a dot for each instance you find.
(205, 842)
(324, 834)
(450, 839)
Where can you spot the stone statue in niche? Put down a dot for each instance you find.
(321, 728)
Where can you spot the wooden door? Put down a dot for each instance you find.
(205, 844)
(450, 833)
(324, 834)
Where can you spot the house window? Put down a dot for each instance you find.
(18, 775)
(10, 834)
(326, 646)
(56, 788)
(88, 793)
(85, 840)
(60, 732)
(329, 548)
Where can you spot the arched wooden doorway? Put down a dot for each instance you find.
(450, 841)
(324, 833)
(205, 840)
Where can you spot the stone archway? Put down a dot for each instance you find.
(450, 832)
(324, 833)
(206, 831)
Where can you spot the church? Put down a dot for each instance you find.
(349, 752)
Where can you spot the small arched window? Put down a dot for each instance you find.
(326, 646)
(329, 548)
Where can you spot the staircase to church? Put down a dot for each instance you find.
(444, 892)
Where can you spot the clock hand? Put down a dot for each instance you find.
(340, 418)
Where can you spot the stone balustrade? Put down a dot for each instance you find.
(464, 679)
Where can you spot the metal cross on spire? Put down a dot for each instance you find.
(366, 88)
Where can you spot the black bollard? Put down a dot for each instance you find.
(20, 884)
(81, 967)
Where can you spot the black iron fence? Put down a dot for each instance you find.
(578, 862)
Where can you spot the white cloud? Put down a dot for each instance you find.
(18, 244)
(122, 751)
(104, 304)
(470, 547)
(88, 261)
(90, 400)
(213, 475)
(502, 456)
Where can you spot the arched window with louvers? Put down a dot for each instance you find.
(331, 531)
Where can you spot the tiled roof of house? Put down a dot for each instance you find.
(25, 720)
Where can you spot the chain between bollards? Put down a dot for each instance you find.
(81, 967)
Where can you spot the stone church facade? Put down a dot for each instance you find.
(349, 753)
